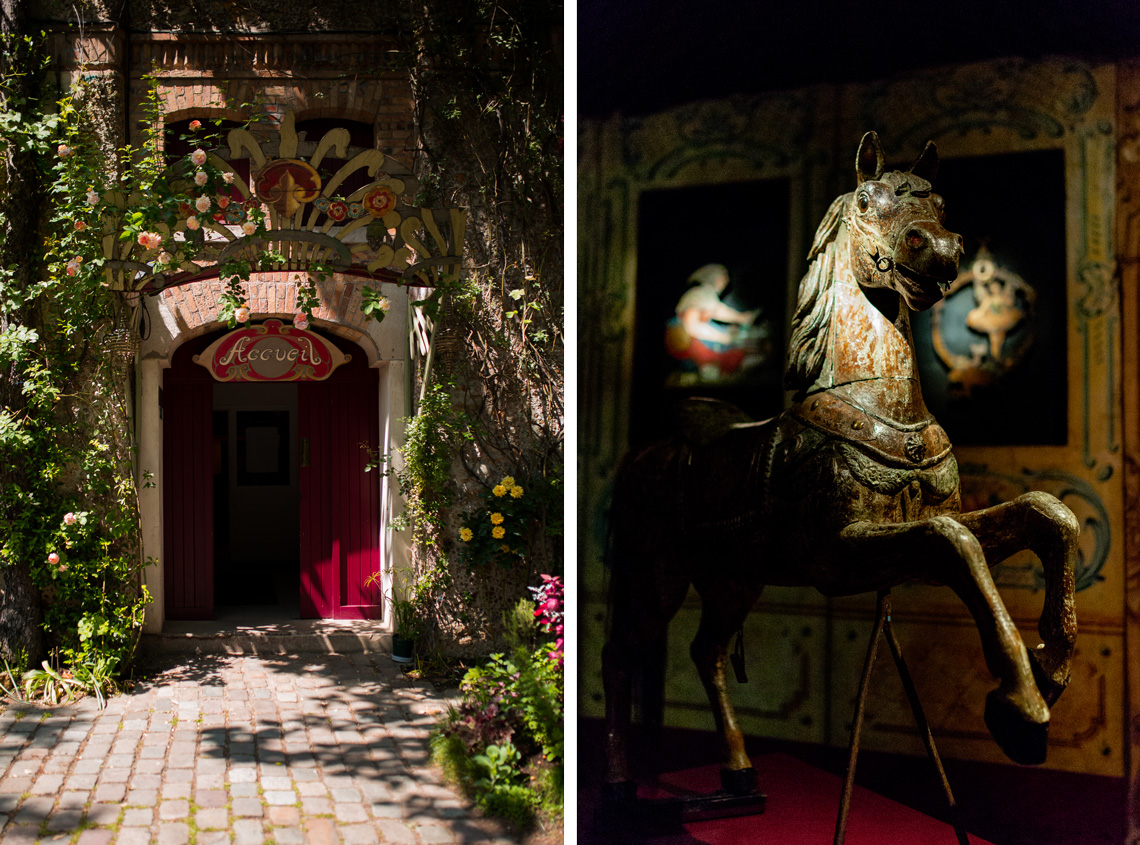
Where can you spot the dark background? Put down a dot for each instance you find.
(639, 57)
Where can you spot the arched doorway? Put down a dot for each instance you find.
(268, 508)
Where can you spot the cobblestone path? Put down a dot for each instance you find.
(236, 749)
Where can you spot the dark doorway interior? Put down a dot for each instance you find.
(257, 499)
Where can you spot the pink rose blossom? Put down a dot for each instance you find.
(249, 227)
(228, 177)
(241, 314)
(300, 320)
(63, 567)
(192, 222)
(164, 257)
(223, 200)
(63, 150)
(53, 558)
(80, 225)
(69, 518)
(198, 157)
(150, 240)
(200, 178)
(195, 125)
(202, 203)
(92, 197)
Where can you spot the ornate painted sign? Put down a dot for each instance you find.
(982, 338)
(271, 352)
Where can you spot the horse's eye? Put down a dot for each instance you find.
(864, 202)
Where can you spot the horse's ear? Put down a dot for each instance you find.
(869, 160)
(926, 165)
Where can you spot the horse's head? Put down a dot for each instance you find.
(895, 223)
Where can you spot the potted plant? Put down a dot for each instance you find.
(406, 630)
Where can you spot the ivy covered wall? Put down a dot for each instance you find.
(483, 132)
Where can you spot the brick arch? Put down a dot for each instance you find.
(202, 113)
(193, 307)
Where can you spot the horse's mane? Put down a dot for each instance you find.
(811, 324)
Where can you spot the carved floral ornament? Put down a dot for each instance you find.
(372, 231)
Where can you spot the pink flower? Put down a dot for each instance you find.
(200, 178)
(80, 225)
(92, 197)
(300, 320)
(192, 222)
(202, 203)
(63, 150)
(150, 240)
(164, 257)
(69, 518)
(249, 227)
(63, 567)
(241, 314)
(53, 558)
(198, 157)
(195, 125)
(228, 177)
(223, 200)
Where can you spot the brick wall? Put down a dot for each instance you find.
(194, 306)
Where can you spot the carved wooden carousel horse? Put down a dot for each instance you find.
(853, 489)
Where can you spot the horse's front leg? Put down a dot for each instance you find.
(1041, 523)
(944, 550)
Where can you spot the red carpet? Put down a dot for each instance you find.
(803, 802)
(1002, 804)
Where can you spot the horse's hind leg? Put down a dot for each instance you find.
(725, 606)
(642, 603)
(1041, 523)
(943, 549)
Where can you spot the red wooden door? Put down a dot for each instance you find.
(340, 503)
(188, 485)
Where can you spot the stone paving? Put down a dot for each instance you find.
(313, 748)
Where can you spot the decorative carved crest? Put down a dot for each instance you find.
(371, 231)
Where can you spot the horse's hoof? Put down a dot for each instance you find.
(738, 781)
(1049, 688)
(1023, 740)
(619, 792)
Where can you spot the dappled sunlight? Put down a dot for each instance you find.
(291, 748)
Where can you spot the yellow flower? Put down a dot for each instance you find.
(498, 532)
(516, 492)
(505, 548)
(508, 481)
(465, 534)
(496, 519)
(499, 490)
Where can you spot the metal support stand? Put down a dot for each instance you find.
(883, 626)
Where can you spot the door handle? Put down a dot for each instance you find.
(304, 451)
